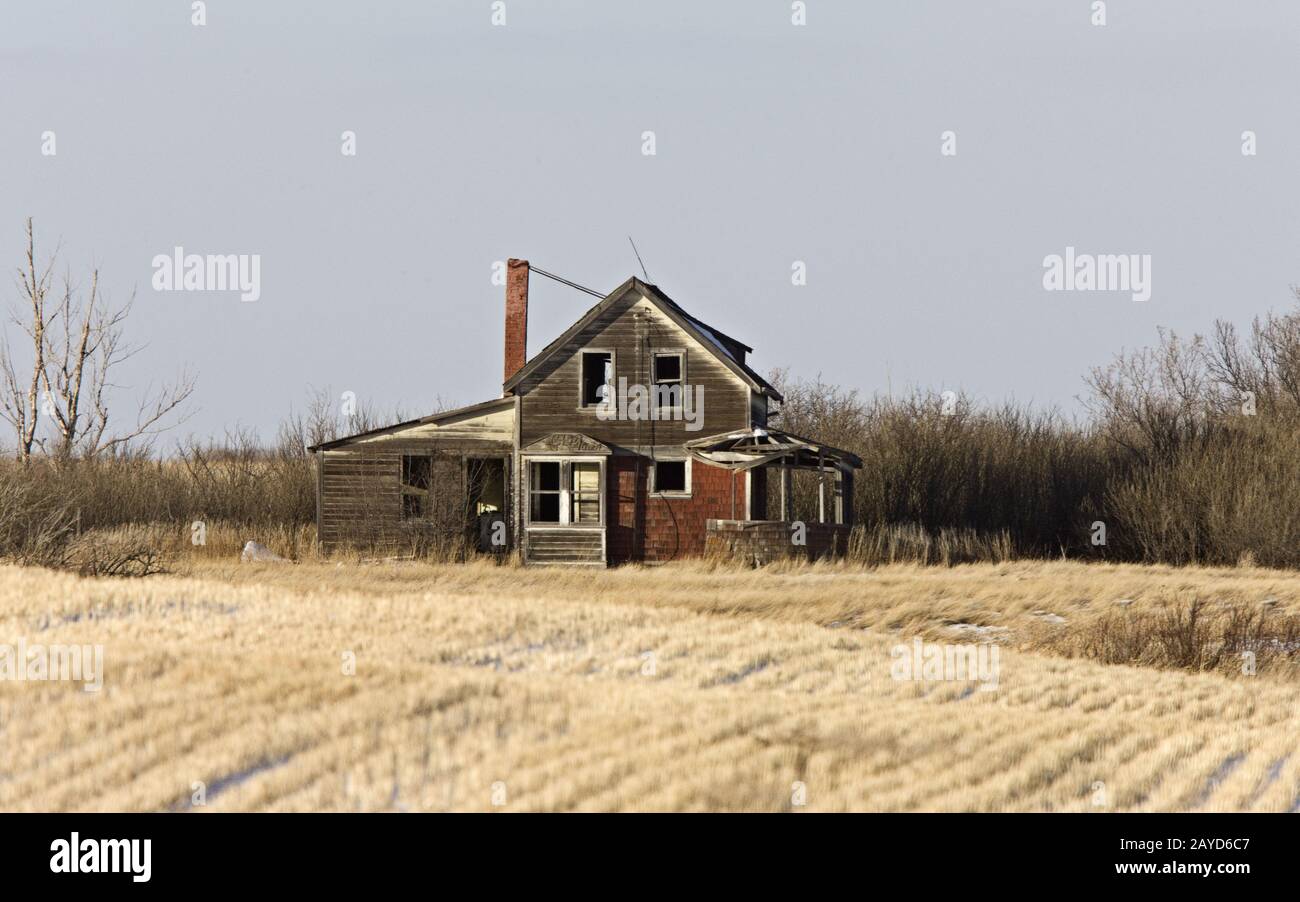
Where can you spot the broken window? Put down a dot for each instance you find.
(544, 489)
(417, 471)
(671, 477)
(597, 376)
(668, 379)
(416, 477)
(412, 507)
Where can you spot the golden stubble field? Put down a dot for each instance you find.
(405, 687)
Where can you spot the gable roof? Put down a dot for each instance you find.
(737, 349)
(727, 349)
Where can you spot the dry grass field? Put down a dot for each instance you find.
(688, 687)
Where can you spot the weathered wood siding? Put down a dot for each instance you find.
(550, 401)
(360, 482)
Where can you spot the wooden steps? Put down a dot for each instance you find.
(566, 546)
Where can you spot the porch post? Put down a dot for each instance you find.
(821, 487)
(837, 485)
(846, 496)
(785, 489)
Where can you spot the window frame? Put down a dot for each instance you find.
(671, 493)
(680, 382)
(566, 491)
(558, 492)
(582, 376)
(576, 497)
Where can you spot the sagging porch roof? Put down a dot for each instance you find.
(748, 448)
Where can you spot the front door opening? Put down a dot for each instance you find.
(486, 480)
(485, 483)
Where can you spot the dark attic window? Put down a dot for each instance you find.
(668, 379)
(668, 368)
(597, 375)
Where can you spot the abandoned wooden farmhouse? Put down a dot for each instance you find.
(639, 434)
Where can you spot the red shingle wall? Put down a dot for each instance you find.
(663, 529)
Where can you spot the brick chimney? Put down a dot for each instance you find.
(516, 316)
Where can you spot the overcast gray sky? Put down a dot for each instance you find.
(774, 143)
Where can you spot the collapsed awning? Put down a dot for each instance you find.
(748, 448)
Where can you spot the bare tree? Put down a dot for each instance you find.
(77, 372)
(18, 402)
(1155, 402)
(1265, 366)
(322, 420)
(77, 346)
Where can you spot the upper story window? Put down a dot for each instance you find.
(597, 377)
(669, 378)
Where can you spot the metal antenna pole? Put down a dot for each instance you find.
(638, 258)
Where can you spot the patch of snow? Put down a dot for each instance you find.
(1048, 617)
(717, 342)
(256, 551)
(1215, 780)
(975, 631)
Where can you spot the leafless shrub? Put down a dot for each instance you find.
(1208, 440)
(40, 528)
(36, 527)
(131, 553)
(1192, 455)
(1197, 636)
(939, 463)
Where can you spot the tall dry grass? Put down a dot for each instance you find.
(683, 688)
(1169, 617)
(907, 543)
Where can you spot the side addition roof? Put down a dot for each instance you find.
(436, 418)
